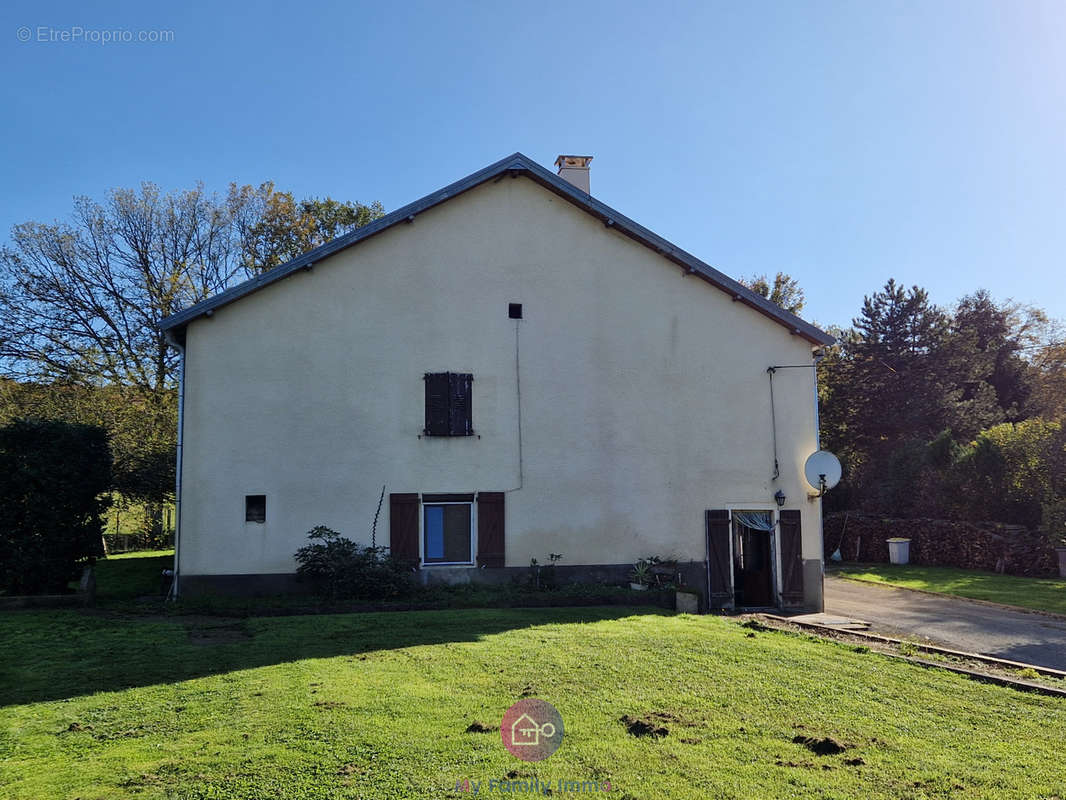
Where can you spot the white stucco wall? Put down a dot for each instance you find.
(644, 392)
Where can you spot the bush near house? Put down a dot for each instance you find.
(344, 570)
(53, 476)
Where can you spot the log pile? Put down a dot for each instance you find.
(1012, 549)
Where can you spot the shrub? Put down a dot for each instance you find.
(53, 476)
(542, 576)
(344, 570)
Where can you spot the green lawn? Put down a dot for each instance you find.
(1044, 594)
(124, 576)
(101, 705)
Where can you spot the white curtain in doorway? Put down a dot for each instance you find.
(756, 520)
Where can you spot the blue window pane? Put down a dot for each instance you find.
(434, 533)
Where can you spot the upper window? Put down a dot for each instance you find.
(448, 404)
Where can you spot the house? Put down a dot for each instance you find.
(526, 371)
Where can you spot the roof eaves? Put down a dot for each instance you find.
(308, 259)
(691, 263)
(516, 164)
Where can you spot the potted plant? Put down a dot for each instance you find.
(641, 575)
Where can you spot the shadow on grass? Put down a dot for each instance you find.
(54, 655)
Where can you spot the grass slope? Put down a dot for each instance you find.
(1043, 594)
(377, 705)
(124, 576)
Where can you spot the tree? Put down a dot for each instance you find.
(1049, 363)
(273, 227)
(785, 290)
(79, 301)
(897, 379)
(1008, 473)
(53, 476)
(141, 434)
(997, 337)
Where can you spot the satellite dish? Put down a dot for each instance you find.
(822, 470)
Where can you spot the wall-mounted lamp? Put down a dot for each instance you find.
(780, 498)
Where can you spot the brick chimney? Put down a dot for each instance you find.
(575, 170)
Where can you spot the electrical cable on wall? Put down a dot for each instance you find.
(773, 423)
(773, 413)
(518, 395)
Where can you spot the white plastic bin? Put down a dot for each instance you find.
(899, 551)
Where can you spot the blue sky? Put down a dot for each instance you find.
(843, 143)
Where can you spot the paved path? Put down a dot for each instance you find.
(951, 622)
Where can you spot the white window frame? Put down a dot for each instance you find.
(422, 533)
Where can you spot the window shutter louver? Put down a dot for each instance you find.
(791, 558)
(403, 525)
(719, 571)
(490, 529)
(460, 421)
(438, 391)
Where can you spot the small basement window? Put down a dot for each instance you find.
(255, 508)
(447, 533)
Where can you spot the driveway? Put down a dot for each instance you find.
(951, 622)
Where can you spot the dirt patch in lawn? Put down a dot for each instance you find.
(648, 725)
(826, 746)
(481, 727)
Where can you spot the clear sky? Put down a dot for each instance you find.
(843, 143)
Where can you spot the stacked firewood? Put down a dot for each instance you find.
(1012, 549)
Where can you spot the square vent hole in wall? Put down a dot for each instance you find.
(514, 310)
(255, 508)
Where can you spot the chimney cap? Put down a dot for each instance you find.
(573, 162)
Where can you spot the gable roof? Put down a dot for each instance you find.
(514, 165)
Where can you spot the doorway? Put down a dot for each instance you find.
(753, 559)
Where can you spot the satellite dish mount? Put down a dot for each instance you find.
(822, 471)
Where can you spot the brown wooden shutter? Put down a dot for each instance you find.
(437, 393)
(490, 529)
(460, 417)
(403, 525)
(719, 550)
(791, 559)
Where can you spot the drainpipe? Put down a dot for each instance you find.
(173, 342)
(818, 444)
(817, 417)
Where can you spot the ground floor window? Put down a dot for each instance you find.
(447, 532)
